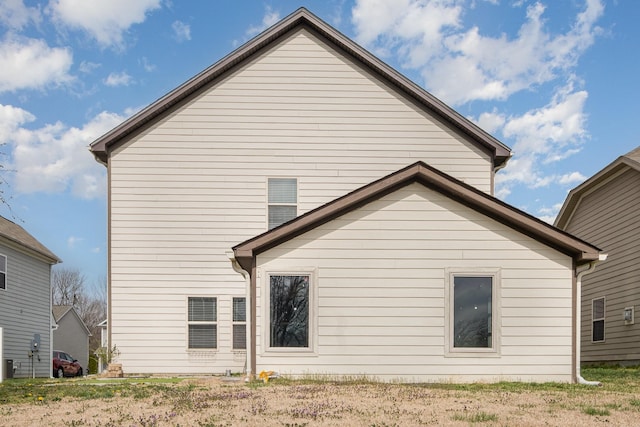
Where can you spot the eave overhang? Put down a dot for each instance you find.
(301, 18)
(581, 251)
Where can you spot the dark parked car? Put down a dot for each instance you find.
(65, 366)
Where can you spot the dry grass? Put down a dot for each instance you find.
(215, 402)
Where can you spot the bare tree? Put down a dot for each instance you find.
(69, 287)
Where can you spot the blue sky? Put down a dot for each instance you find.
(556, 80)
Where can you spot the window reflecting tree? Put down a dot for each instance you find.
(472, 312)
(289, 311)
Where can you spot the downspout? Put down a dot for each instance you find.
(247, 277)
(589, 270)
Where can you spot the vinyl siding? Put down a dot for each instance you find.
(380, 287)
(72, 338)
(25, 310)
(609, 217)
(192, 185)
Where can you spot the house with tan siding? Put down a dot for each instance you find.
(605, 210)
(287, 129)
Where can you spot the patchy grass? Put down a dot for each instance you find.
(590, 410)
(477, 417)
(318, 401)
(56, 390)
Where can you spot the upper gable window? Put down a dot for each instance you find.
(3, 272)
(282, 200)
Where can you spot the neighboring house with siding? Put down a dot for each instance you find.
(605, 210)
(25, 302)
(71, 334)
(282, 127)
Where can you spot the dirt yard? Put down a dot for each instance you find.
(216, 402)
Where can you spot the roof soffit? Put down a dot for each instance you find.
(301, 18)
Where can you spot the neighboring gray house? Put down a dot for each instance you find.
(302, 132)
(605, 210)
(25, 302)
(71, 335)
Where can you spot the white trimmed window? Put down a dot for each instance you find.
(289, 304)
(473, 315)
(282, 200)
(239, 323)
(597, 319)
(203, 328)
(3, 272)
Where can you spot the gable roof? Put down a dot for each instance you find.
(631, 160)
(18, 235)
(301, 18)
(581, 251)
(60, 311)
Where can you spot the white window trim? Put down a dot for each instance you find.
(496, 332)
(604, 322)
(280, 204)
(188, 322)
(234, 323)
(311, 350)
(6, 274)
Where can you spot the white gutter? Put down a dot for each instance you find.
(238, 269)
(592, 267)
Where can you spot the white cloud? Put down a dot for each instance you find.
(549, 214)
(15, 15)
(490, 122)
(413, 28)
(55, 157)
(148, 66)
(118, 79)
(32, 64)
(73, 240)
(461, 64)
(105, 21)
(270, 18)
(549, 130)
(11, 118)
(571, 178)
(544, 136)
(181, 31)
(88, 67)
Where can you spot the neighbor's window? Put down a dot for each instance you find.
(3, 272)
(597, 317)
(239, 324)
(203, 329)
(283, 199)
(472, 312)
(289, 311)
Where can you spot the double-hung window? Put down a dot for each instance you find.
(282, 200)
(3, 272)
(473, 317)
(239, 324)
(289, 303)
(597, 319)
(203, 328)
